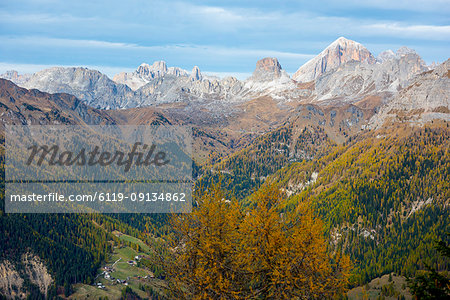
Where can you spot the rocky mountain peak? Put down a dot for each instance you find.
(337, 53)
(267, 69)
(386, 55)
(405, 50)
(404, 54)
(14, 76)
(90, 86)
(159, 68)
(425, 99)
(344, 43)
(146, 73)
(196, 74)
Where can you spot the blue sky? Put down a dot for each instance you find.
(225, 37)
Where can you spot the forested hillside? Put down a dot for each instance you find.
(384, 198)
(301, 190)
(245, 170)
(383, 195)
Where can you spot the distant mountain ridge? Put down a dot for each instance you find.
(343, 73)
(19, 106)
(145, 73)
(90, 86)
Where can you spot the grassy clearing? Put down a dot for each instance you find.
(126, 253)
(374, 289)
(123, 271)
(84, 291)
(141, 244)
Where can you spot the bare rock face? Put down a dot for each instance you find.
(401, 52)
(145, 73)
(425, 99)
(176, 85)
(188, 88)
(90, 86)
(15, 77)
(196, 74)
(350, 81)
(339, 52)
(157, 84)
(269, 79)
(405, 51)
(386, 56)
(19, 106)
(345, 72)
(37, 272)
(158, 69)
(11, 283)
(267, 69)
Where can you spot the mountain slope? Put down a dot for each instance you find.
(19, 106)
(354, 80)
(344, 72)
(337, 53)
(310, 133)
(15, 77)
(70, 247)
(90, 86)
(425, 99)
(384, 198)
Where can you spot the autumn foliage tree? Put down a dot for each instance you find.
(285, 252)
(201, 261)
(222, 251)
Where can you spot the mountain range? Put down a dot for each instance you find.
(344, 78)
(150, 85)
(345, 73)
(363, 139)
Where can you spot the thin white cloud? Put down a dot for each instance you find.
(212, 35)
(431, 32)
(206, 22)
(217, 14)
(40, 18)
(404, 5)
(231, 51)
(60, 42)
(221, 15)
(93, 44)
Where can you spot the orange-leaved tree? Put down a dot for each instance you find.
(285, 251)
(223, 251)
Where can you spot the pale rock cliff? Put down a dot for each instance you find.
(337, 53)
(425, 99)
(90, 86)
(145, 73)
